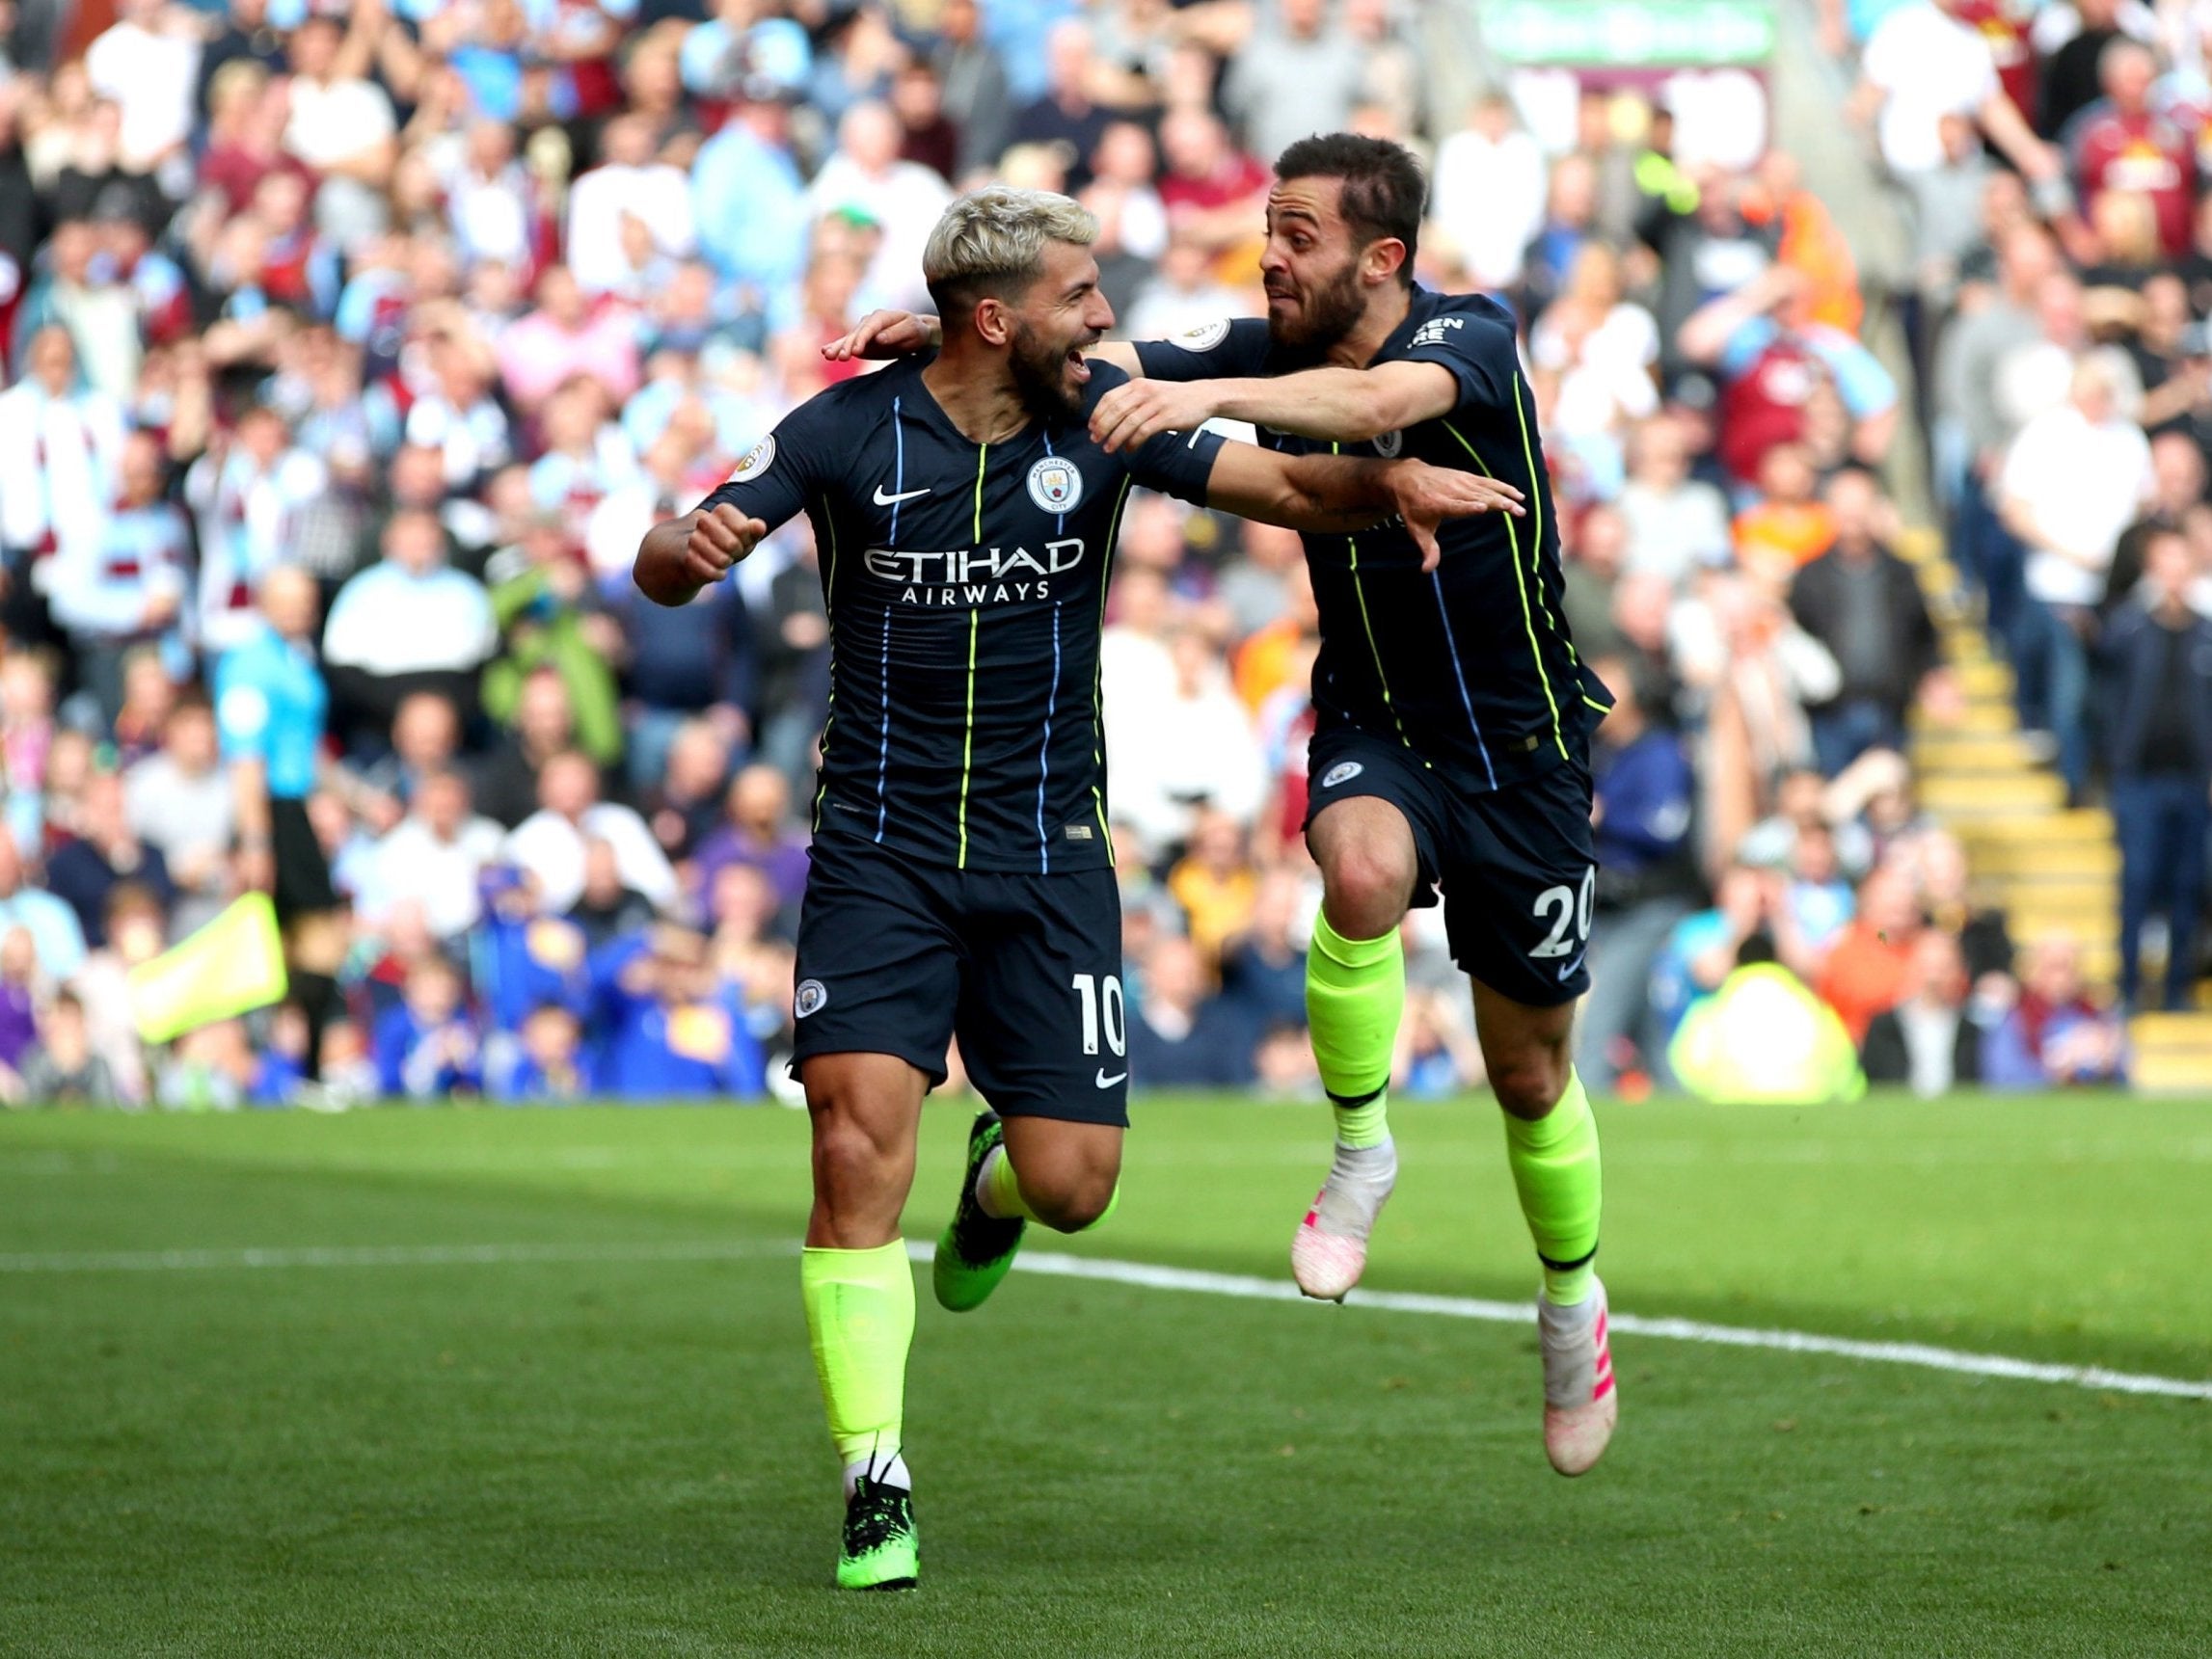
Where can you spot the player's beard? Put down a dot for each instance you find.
(1324, 315)
(1041, 376)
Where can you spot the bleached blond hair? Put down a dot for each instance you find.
(992, 242)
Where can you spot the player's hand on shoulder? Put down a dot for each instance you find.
(1141, 409)
(884, 334)
(1426, 496)
(719, 539)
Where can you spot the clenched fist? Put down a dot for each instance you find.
(719, 539)
(680, 558)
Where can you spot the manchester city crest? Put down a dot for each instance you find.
(1055, 484)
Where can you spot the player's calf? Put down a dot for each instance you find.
(1068, 1179)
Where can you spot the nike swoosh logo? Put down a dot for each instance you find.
(883, 500)
(1105, 1081)
(1568, 971)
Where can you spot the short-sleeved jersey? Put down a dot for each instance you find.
(966, 589)
(1469, 666)
(270, 704)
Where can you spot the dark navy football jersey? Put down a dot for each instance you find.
(966, 589)
(1469, 666)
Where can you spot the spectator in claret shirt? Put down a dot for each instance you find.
(2121, 143)
(124, 587)
(2054, 1035)
(758, 833)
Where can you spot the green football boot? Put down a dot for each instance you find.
(880, 1550)
(977, 1248)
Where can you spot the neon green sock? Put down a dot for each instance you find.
(1554, 1163)
(860, 1318)
(1002, 1192)
(1355, 991)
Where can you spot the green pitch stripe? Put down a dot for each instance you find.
(1521, 586)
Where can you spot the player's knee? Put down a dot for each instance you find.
(1529, 1082)
(1366, 890)
(847, 1154)
(1076, 1201)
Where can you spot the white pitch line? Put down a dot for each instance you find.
(1922, 1355)
(1143, 1274)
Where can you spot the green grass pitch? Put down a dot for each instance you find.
(599, 1452)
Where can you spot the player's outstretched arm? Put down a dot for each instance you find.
(680, 556)
(1347, 405)
(903, 334)
(1334, 493)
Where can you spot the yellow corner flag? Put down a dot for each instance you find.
(233, 966)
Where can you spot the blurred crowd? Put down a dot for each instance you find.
(2057, 319)
(432, 306)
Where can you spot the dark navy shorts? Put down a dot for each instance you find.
(1516, 866)
(897, 956)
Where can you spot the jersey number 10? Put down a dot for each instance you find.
(1088, 993)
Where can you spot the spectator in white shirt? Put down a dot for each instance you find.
(179, 801)
(904, 199)
(341, 127)
(1921, 64)
(628, 184)
(409, 623)
(435, 856)
(2074, 479)
(61, 451)
(148, 63)
(550, 844)
(488, 195)
(1488, 197)
(1183, 297)
(1676, 523)
(1202, 752)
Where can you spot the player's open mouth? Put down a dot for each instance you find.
(1077, 365)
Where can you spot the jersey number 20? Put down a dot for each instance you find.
(1563, 906)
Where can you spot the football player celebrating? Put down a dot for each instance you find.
(1452, 712)
(961, 877)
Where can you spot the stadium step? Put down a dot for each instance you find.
(2014, 794)
(1943, 754)
(1985, 716)
(2171, 1053)
(2061, 889)
(1986, 679)
(2175, 1074)
(2027, 862)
